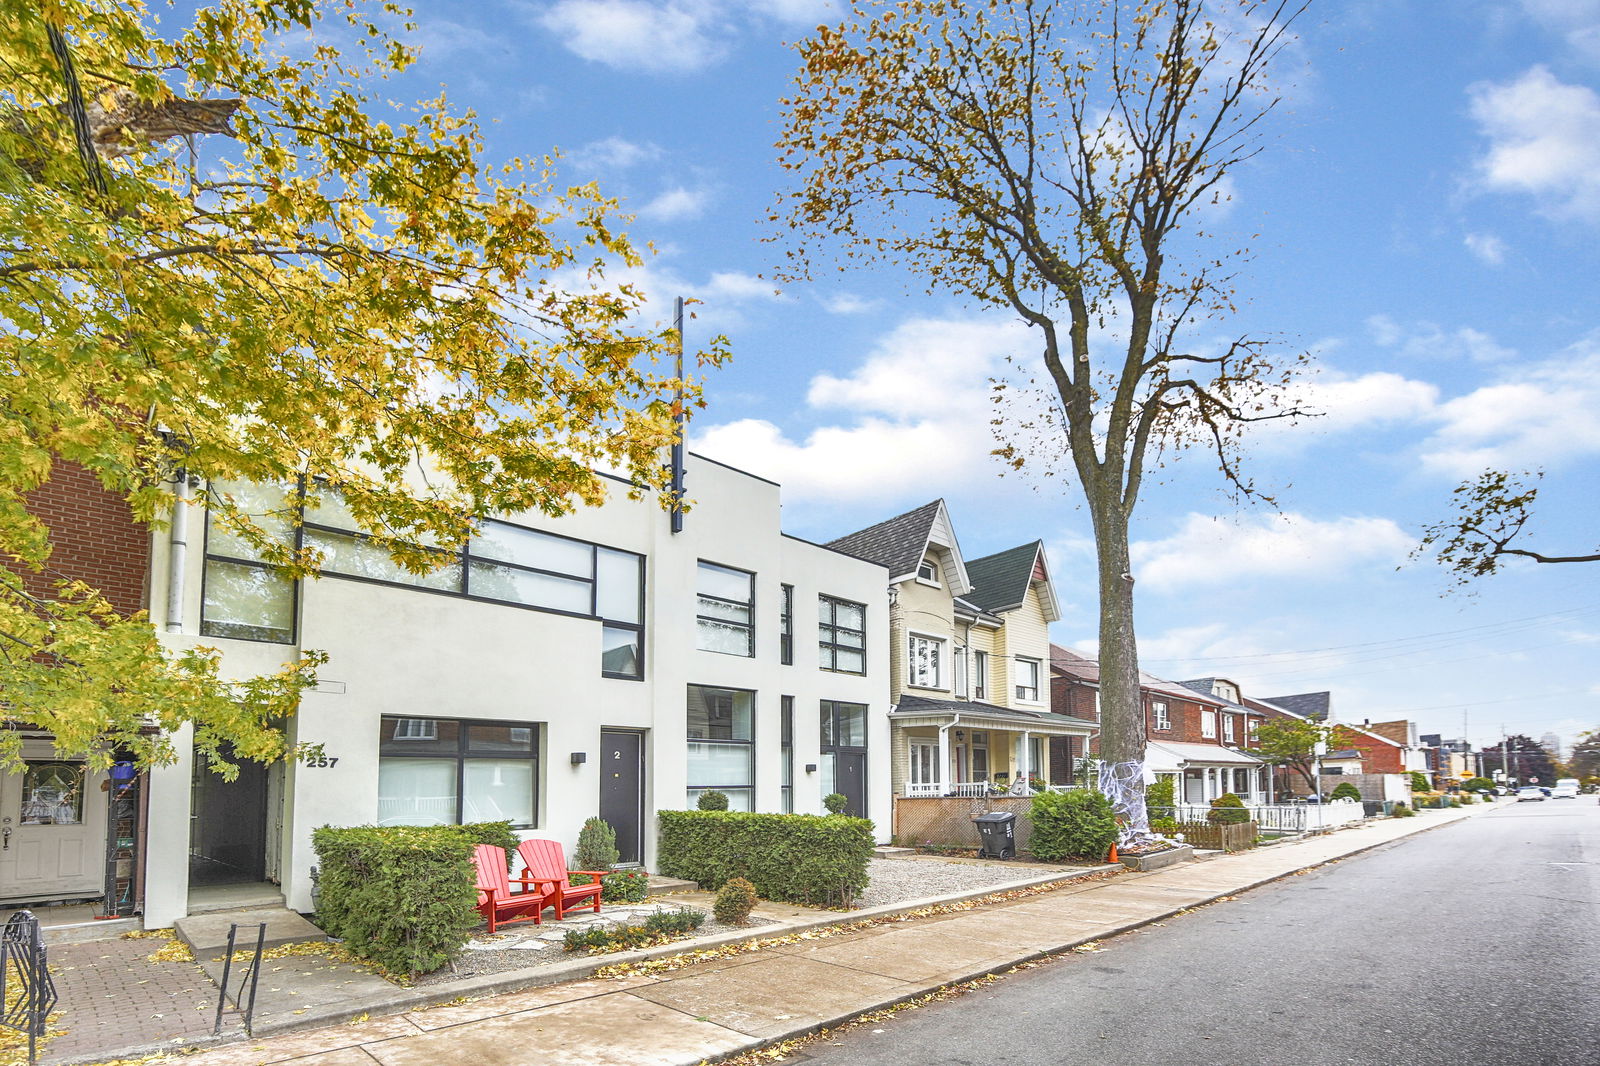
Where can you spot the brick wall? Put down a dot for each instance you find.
(1377, 756)
(94, 537)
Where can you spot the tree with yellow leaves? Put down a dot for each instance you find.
(1055, 160)
(223, 259)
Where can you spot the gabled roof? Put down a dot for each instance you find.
(1206, 686)
(1081, 668)
(1312, 705)
(900, 543)
(1001, 581)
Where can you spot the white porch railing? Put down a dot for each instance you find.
(1286, 817)
(975, 789)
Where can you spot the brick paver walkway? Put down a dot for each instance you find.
(110, 988)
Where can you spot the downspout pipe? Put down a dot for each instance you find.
(177, 553)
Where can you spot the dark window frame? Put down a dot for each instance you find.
(748, 745)
(207, 556)
(786, 627)
(828, 650)
(786, 752)
(463, 755)
(749, 627)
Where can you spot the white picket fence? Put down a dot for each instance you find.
(1287, 817)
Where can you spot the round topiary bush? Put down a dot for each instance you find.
(836, 802)
(1346, 791)
(1228, 809)
(712, 800)
(734, 902)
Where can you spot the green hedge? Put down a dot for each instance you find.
(402, 896)
(1228, 809)
(796, 858)
(1077, 824)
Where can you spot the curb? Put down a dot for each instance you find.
(1110, 931)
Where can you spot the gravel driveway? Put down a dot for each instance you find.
(899, 880)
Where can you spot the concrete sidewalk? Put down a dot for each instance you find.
(725, 1005)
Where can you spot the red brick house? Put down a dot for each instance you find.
(1198, 737)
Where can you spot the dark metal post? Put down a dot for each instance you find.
(255, 977)
(21, 944)
(222, 988)
(678, 419)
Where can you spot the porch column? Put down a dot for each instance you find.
(1025, 754)
(942, 774)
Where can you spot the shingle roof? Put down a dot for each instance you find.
(897, 543)
(1313, 705)
(1072, 664)
(1001, 580)
(1087, 670)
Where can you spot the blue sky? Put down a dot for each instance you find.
(1428, 209)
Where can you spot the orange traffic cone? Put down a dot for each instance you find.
(1113, 857)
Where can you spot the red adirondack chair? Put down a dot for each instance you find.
(545, 862)
(496, 902)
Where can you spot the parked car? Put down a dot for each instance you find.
(1530, 792)
(1563, 792)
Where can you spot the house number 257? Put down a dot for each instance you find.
(322, 761)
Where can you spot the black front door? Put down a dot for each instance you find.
(850, 780)
(227, 824)
(622, 790)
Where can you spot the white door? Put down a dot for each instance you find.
(924, 766)
(52, 829)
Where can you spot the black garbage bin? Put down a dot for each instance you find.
(998, 830)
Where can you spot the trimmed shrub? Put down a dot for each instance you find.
(796, 858)
(735, 900)
(1163, 825)
(597, 846)
(619, 886)
(657, 929)
(1402, 811)
(835, 802)
(712, 800)
(1077, 824)
(402, 896)
(1158, 799)
(1420, 782)
(1477, 784)
(1228, 809)
(1346, 790)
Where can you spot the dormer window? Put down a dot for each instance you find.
(928, 572)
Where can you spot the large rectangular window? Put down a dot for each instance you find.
(508, 564)
(726, 609)
(441, 771)
(243, 596)
(1028, 680)
(1208, 723)
(927, 662)
(721, 730)
(1160, 718)
(842, 635)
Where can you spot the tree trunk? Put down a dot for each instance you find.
(1122, 727)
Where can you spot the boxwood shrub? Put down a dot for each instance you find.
(797, 858)
(1079, 824)
(402, 896)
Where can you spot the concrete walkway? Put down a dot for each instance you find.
(722, 1006)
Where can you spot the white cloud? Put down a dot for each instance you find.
(1487, 247)
(1544, 140)
(614, 153)
(1208, 551)
(1535, 416)
(918, 402)
(847, 303)
(676, 204)
(799, 12)
(1578, 21)
(1425, 340)
(638, 35)
(732, 285)
(1345, 403)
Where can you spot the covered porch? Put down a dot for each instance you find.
(961, 748)
(1206, 771)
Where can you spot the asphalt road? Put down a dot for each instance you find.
(1475, 943)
